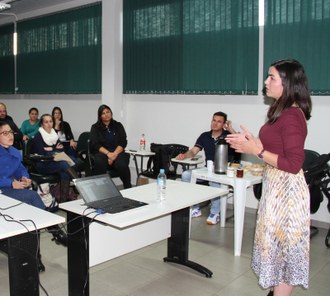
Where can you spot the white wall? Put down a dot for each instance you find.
(163, 118)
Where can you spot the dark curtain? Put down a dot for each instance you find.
(7, 78)
(61, 53)
(300, 29)
(191, 46)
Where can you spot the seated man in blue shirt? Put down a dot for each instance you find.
(220, 128)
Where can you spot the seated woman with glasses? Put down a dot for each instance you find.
(15, 181)
(108, 141)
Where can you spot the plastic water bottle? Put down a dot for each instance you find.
(161, 185)
(143, 142)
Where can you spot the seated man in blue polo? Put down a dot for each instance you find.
(220, 128)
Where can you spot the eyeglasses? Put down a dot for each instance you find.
(6, 133)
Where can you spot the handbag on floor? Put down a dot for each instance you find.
(56, 192)
(47, 198)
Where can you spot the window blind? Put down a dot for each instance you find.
(61, 53)
(191, 46)
(300, 29)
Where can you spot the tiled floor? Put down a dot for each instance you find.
(144, 273)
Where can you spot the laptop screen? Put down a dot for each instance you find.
(96, 188)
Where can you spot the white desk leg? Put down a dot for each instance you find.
(239, 212)
(223, 207)
(193, 180)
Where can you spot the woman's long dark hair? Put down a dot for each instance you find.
(53, 112)
(99, 114)
(295, 89)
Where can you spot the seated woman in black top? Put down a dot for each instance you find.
(64, 132)
(108, 141)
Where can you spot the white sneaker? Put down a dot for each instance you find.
(196, 212)
(213, 219)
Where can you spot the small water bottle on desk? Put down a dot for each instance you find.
(161, 185)
(143, 142)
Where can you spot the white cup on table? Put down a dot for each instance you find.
(209, 165)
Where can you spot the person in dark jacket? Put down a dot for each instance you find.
(108, 142)
(18, 136)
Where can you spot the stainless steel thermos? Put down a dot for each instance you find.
(221, 157)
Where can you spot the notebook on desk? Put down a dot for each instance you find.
(100, 193)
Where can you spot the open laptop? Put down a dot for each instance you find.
(100, 192)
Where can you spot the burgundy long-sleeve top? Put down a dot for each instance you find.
(286, 137)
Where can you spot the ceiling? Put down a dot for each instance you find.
(25, 6)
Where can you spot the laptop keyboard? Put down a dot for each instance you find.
(116, 205)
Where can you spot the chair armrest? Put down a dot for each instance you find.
(38, 157)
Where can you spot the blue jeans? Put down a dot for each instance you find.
(27, 196)
(215, 202)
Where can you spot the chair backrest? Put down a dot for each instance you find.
(317, 175)
(310, 157)
(27, 151)
(82, 143)
(162, 159)
(82, 152)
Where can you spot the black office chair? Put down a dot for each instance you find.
(310, 158)
(30, 160)
(162, 160)
(317, 175)
(82, 152)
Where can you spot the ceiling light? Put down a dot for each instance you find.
(4, 6)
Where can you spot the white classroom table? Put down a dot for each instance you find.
(19, 240)
(112, 235)
(240, 186)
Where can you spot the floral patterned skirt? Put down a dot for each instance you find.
(281, 243)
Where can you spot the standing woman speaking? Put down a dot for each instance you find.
(281, 245)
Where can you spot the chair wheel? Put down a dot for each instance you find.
(327, 239)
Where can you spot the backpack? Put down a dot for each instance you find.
(162, 159)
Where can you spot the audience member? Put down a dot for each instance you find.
(220, 128)
(46, 142)
(18, 137)
(63, 128)
(108, 142)
(30, 126)
(15, 181)
(65, 135)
